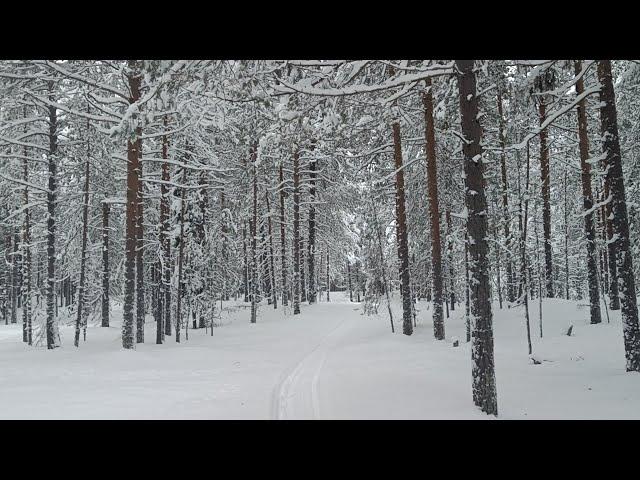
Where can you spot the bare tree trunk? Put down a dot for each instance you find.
(303, 290)
(467, 287)
(51, 225)
(349, 280)
(566, 237)
(311, 244)
(15, 286)
(328, 279)
(452, 292)
(296, 232)
(165, 240)
(180, 259)
(140, 303)
(283, 241)
(434, 211)
(587, 201)
(546, 203)
(105, 264)
(274, 294)
(614, 299)
(26, 302)
(484, 382)
(133, 183)
(80, 317)
(624, 260)
(403, 247)
(254, 236)
(511, 294)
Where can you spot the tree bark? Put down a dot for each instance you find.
(296, 232)
(624, 261)
(133, 183)
(434, 211)
(80, 317)
(401, 218)
(546, 203)
(105, 264)
(587, 201)
(283, 241)
(52, 194)
(484, 382)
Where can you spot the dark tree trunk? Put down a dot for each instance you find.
(165, 241)
(403, 246)
(80, 317)
(546, 203)
(140, 303)
(245, 270)
(484, 382)
(303, 283)
(26, 303)
(296, 232)
(181, 258)
(614, 299)
(452, 292)
(624, 261)
(283, 241)
(133, 183)
(254, 237)
(15, 285)
(311, 244)
(434, 211)
(349, 280)
(511, 294)
(105, 264)
(51, 225)
(274, 295)
(587, 201)
(328, 279)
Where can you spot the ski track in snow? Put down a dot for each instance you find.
(296, 395)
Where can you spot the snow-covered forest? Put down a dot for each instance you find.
(319, 239)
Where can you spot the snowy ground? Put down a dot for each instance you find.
(329, 362)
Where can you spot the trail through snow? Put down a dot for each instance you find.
(329, 362)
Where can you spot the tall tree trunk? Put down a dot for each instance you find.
(165, 240)
(274, 294)
(624, 260)
(105, 264)
(303, 283)
(26, 303)
(587, 201)
(546, 203)
(254, 237)
(566, 237)
(296, 231)
(52, 330)
(452, 292)
(511, 294)
(80, 317)
(15, 286)
(181, 258)
(484, 382)
(349, 279)
(403, 246)
(283, 241)
(434, 211)
(245, 270)
(311, 244)
(614, 299)
(328, 279)
(140, 303)
(467, 317)
(133, 183)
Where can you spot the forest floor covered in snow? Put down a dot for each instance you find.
(329, 362)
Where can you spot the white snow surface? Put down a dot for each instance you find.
(329, 362)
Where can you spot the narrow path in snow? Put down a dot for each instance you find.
(296, 395)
